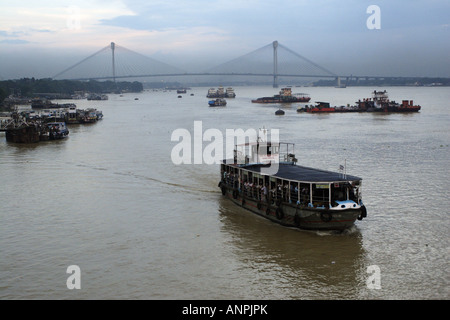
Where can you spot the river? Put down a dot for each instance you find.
(110, 200)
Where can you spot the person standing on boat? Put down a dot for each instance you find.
(264, 192)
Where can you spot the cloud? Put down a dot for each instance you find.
(330, 33)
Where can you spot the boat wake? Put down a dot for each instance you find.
(349, 231)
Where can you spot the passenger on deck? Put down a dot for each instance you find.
(264, 192)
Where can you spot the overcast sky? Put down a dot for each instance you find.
(41, 38)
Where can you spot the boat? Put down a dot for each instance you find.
(211, 93)
(56, 131)
(77, 116)
(181, 90)
(221, 93)
(89, 115)
(229, 93)
(293, 195)
(99, 114)
(380, 103)
(279, 112)
(320, 107)
(72, 116)
(285, 96)
(219, 102)
(20, 129)
(96, 96)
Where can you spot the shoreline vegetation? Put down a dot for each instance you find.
(29, 88)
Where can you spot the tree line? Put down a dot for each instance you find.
(27, 87)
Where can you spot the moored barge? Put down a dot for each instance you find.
(294, 196)
(285, 96)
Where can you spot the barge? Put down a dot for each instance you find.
(378, 103)
(294, 196)
(285, 96)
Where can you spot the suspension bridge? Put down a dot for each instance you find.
(274, 60)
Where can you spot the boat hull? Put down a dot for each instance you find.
(274, 100)
(292, 215)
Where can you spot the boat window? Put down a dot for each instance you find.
(304, 194)
(345, 191)
(338, 193)
(294, 192)
(320, 194)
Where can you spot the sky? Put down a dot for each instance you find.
(405, 38)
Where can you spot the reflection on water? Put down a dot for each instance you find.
(317, 264)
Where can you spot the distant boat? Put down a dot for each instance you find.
(219, 102)
(221, 93)
(229, 93)
(285, 96)
(279, 112)
(96, 96)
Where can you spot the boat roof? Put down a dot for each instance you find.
(300, 173)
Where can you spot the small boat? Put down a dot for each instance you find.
(279, 112)
(221, 93)
(57, 130)
(20, 130)
(219, 102)
(289, 194)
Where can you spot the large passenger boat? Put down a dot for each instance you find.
(294, 195)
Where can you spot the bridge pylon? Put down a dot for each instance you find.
(113, 47)
(275, 64)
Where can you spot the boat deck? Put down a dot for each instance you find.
(299, 173)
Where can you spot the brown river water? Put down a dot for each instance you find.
(109, 200)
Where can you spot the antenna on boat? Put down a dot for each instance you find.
(343, 169)
(264, 130)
